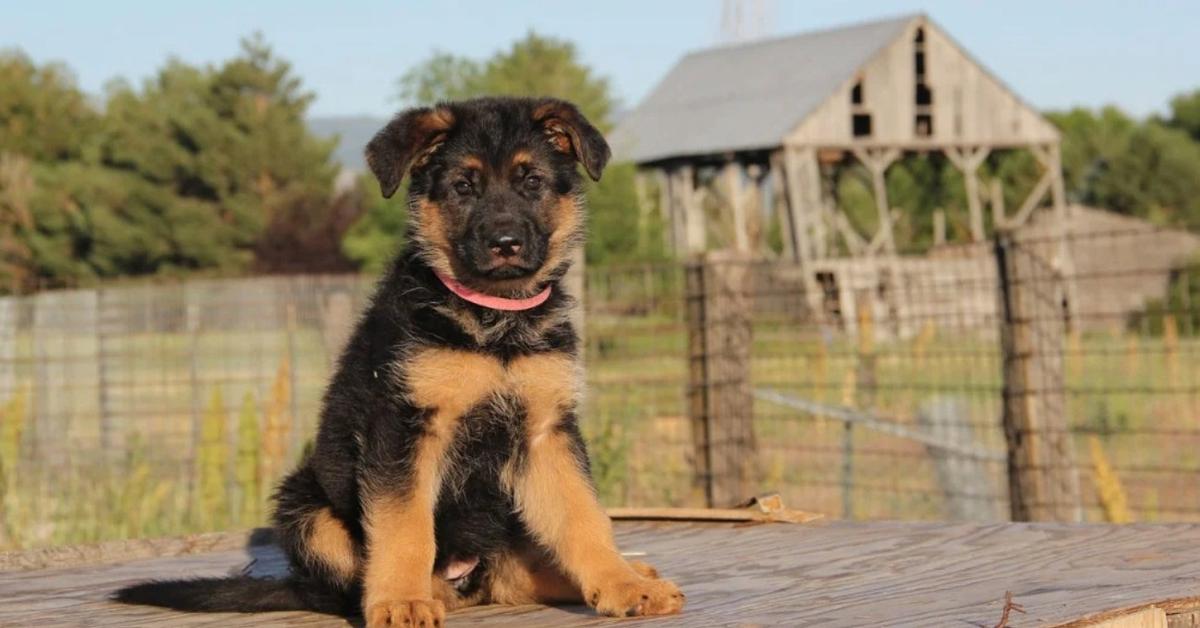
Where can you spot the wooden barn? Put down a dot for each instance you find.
(756, 128)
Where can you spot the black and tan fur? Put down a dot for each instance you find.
(449, 430)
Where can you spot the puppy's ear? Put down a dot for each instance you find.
(406, 142)
(572, 134)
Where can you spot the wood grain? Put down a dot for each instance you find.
(825, 573)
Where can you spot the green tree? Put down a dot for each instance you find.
(376, 236)
(232, 138)
(1148, 169)
(198, 169)
(43, 114)
(1091, 141)
(1185, 113)
(532, 66)
(444, 76)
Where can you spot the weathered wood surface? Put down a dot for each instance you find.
(721, 407)
(829, 574)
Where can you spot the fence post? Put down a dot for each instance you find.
(718, 296)
(1042, 480)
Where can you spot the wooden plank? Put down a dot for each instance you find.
(829, 574)
(1184, 619)
(1149, 617)
(744, 515)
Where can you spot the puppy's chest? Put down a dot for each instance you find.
(467, 391)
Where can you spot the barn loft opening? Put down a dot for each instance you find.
(860, 118)
(861, 124)
(924, 125)
(924, 95)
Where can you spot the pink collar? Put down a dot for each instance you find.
(495, 303)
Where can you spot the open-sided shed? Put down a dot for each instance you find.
(758, 123)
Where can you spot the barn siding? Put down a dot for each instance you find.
(990, 113)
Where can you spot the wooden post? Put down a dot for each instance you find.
(732, 175)
(1058, 198)
(641, 187)
(719, 294)
(778, 176)
(802, 176)
(968, 160)
(1042, 480)
(665, 211)
(676, 212)
(112, 436)
(688, 224)
(996, 200)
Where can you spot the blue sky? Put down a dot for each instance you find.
(1055, 53)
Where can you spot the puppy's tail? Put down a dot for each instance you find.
(238, 594)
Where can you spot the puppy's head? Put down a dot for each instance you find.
(495, 192)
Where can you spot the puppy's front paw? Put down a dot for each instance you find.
(636, 596)
(408, 614)
(644, 570)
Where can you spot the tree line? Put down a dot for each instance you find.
(212, 169)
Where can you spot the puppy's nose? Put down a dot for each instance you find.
(505, 246)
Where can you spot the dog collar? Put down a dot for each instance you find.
(495, 303)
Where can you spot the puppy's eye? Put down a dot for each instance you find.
(462, 186)
(533, 183)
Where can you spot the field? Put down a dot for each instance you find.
(182, 420)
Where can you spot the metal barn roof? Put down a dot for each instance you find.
(747, 96)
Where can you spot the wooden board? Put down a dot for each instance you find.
(831, 574)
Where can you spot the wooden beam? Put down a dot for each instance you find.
(688, 225)
(996, 201)
(697, 225)
(782, 208)
(1058, 199)
(731, 174)
(798, 209)
(855, 243)
(664, 208)
(641, 186)
(811, 191)
(803, 212)
(878, 161)
(1031, 202)
(968, 160)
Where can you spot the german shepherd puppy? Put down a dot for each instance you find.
(448, 469)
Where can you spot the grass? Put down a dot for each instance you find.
(1129, 393)
(209, 422)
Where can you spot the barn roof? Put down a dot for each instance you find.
(747, 96)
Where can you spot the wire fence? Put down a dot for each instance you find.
(1033, 377)
(988, 381)
(145, 410)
